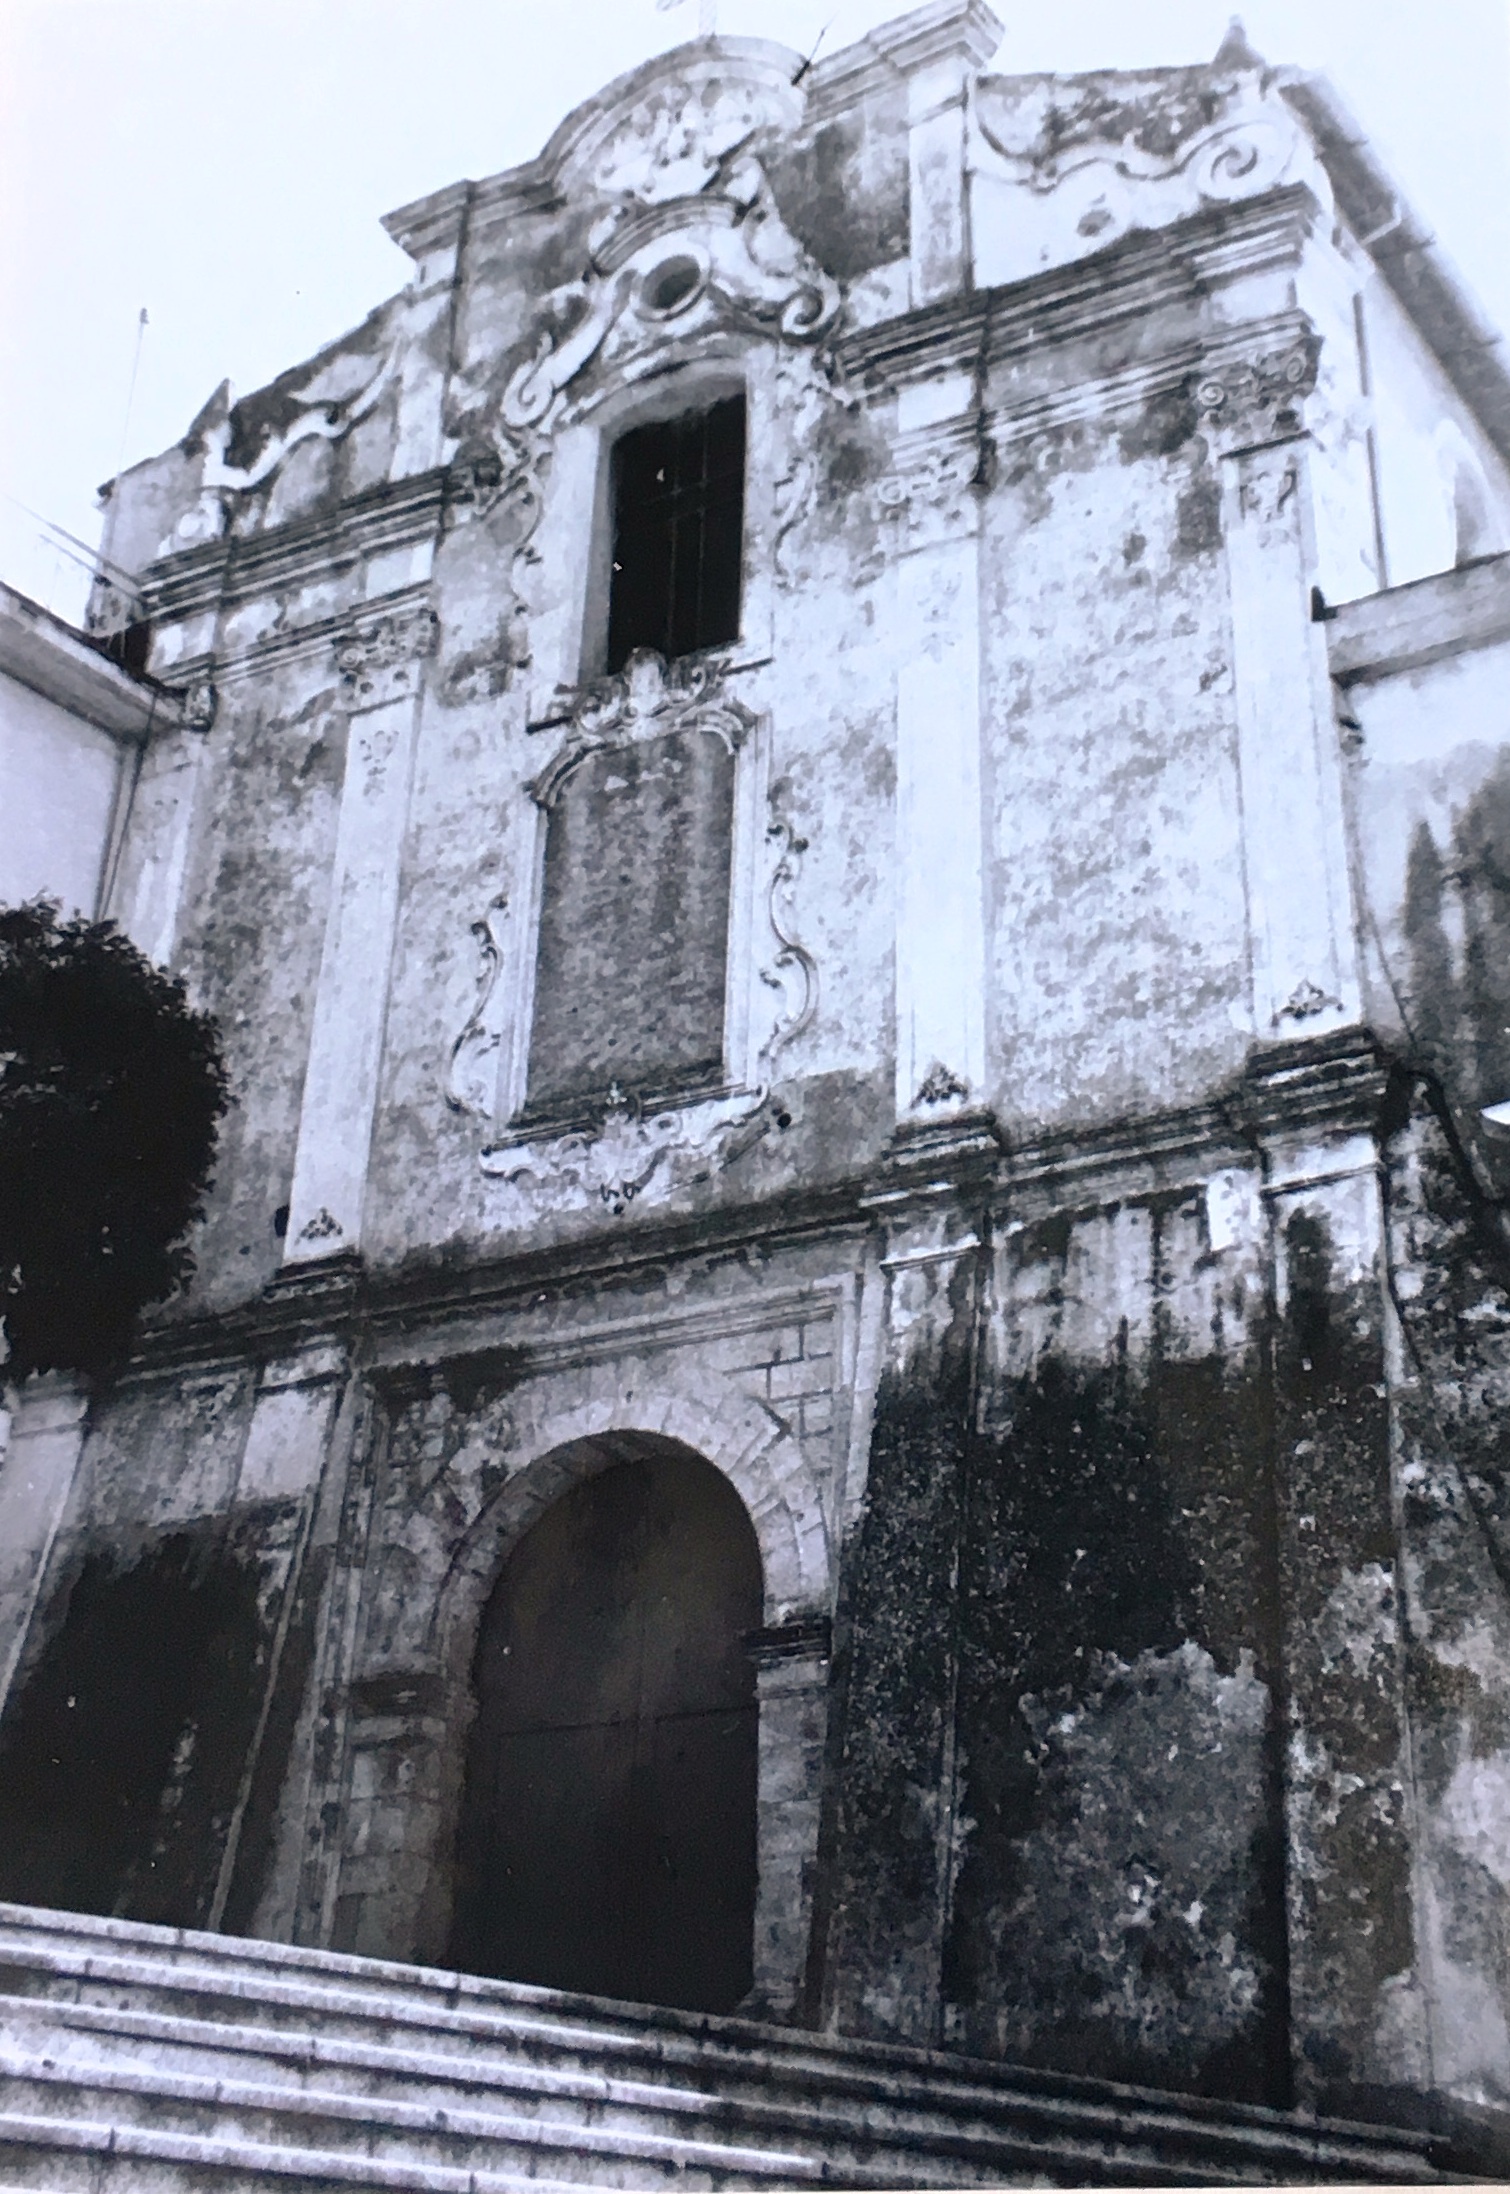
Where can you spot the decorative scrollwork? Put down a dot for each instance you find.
(630, 1154)
(1258, 399)
(325, 419)
(200, 703)
(379, 661)
(792, 970)
(627, 1155)
(929, 491)
(472, 1077)
(640, 702)
(940, 1086)
(1305, 1001)
(387, 641)
(323, 1227)
(682, 266)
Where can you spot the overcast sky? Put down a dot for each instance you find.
(224, 162)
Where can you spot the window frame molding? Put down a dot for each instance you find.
(569, 628)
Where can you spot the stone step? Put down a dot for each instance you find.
(960, 2128)
(270, 2115)
(277, 2053)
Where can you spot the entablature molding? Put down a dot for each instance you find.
(1322, 1088)
(319, 642)
(404, 1358)
(1402, 628)
(1244, 390)
(646, 699)
(976, 329)
(228, 572)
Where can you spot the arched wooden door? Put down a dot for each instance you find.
(607, 1837)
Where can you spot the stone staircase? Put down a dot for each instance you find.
(140, 2058)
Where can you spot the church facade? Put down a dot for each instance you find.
(846, 809)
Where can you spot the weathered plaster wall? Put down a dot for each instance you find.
(1429, 774)
(1077, 1432)
(1118, 968)
(255, 904)
(1444, 493)
(1161, 1736)
(1450, 1260)
(58, 783)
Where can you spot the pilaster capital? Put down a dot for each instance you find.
(1256, 398)
(379, 661)
(928, 495)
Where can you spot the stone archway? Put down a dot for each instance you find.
(458, 1507)
(607, 1837)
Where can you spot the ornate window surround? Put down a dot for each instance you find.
(632, 341)
(569, 631)
(645, 700)
(770, 980)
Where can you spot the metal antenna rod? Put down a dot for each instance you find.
(136, 359)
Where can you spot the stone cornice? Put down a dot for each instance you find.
(881, 60)
(1063, 306)
(943, 30)
(338, 1295)
(434, 222)
(1129, 280)
(1126, 392)
(1321, 1087)
(222, 573)
(319, 641)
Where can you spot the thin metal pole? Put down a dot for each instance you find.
(136, 359)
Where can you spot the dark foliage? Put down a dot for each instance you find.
(110, 1091)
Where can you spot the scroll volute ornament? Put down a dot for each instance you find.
(667, 271)
(642, 701)
(1245, 402)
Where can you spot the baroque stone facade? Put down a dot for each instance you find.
(995, 1054)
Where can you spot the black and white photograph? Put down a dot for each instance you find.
(754, 1095)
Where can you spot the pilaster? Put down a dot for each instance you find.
(1304, 955)
(892, 1850)
(940, 918)
(381, 668)
(938, 49)
(791, 1678)
(1346, 1751)
(295, 1454)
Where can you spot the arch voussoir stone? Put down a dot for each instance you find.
(565, 1426)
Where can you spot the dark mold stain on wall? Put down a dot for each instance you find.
(1113, 1906)
(122, 1756)
(897, 1632)
(1060, 1824)
(843, 193)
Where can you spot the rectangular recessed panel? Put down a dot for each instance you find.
(629, 982)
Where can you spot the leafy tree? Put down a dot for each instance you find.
(111, 1089)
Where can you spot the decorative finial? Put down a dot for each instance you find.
(1234, 52)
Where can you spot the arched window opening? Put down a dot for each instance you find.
(607, 1839)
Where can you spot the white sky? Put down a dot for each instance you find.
(224, 162)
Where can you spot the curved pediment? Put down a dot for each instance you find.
(666, 129)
